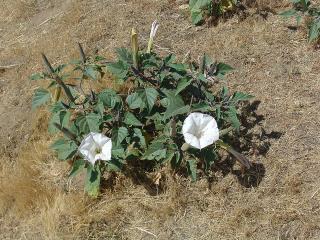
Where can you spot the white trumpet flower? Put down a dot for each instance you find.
(200, 130)
(96, 146)
(154, 28)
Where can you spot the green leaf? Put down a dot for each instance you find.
(240, 96)
(176, 160)
(77, 167)
(37, 76)
(233, 118)
(196, 16)
(134, 101)
(93, 178)
(201, 4)
(118, 152)
(209, 157)
(130, 119)
(182, 84)
(156, 151)
(65, 149)
(114, 165)
(148, 96)
(223, 69)
(89, 123)
(139, 135)
(124, 55)
(314, 30)
(57, 107)
(192, 169)
(179, 67)
(119, 69)
(174, 104)
(109, 98)
(118, 135)
(200, 107)
(41, 96)
(62, 118)
(92, 72)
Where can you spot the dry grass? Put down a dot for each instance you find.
(37, 201)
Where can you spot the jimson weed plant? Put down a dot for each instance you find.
(172, 113)
(202, 9)
(305, 9)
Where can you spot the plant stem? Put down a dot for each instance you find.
(67, 132)
(57, 78)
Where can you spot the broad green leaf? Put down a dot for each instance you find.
(314, 30)
(169, 59)
(40, 97)
(179, 67)
(118, 151)
(114, 165)
(100, 108)
(109, 98)
(148, 96)
(65, 149)
(130, 119)
(192, 169)
(118, 135)
(223, 69)
(77, 167)
(138, 134)
(124, 55)
(92, 72)
(57, 107)
(62, 118)
(240, 96)
(89, 123)
(209, 157)
(119, 69)
(233, 118)
(175, 104)
(93, 178)
(196, 16)
(156, 151)
(200, 107)
(201, 4)
(134, 101)
(182, 84)
(176, 160)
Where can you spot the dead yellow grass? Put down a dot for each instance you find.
(38, 201)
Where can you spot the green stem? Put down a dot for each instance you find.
(57, 78)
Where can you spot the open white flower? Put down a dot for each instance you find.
(96, 146)
(200, 130)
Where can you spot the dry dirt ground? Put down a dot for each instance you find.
(276, 64)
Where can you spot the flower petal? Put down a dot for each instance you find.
(192, 140)
(106, 151)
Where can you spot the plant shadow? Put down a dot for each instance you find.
(252, 140)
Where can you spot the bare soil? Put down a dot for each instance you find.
(278, 199)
